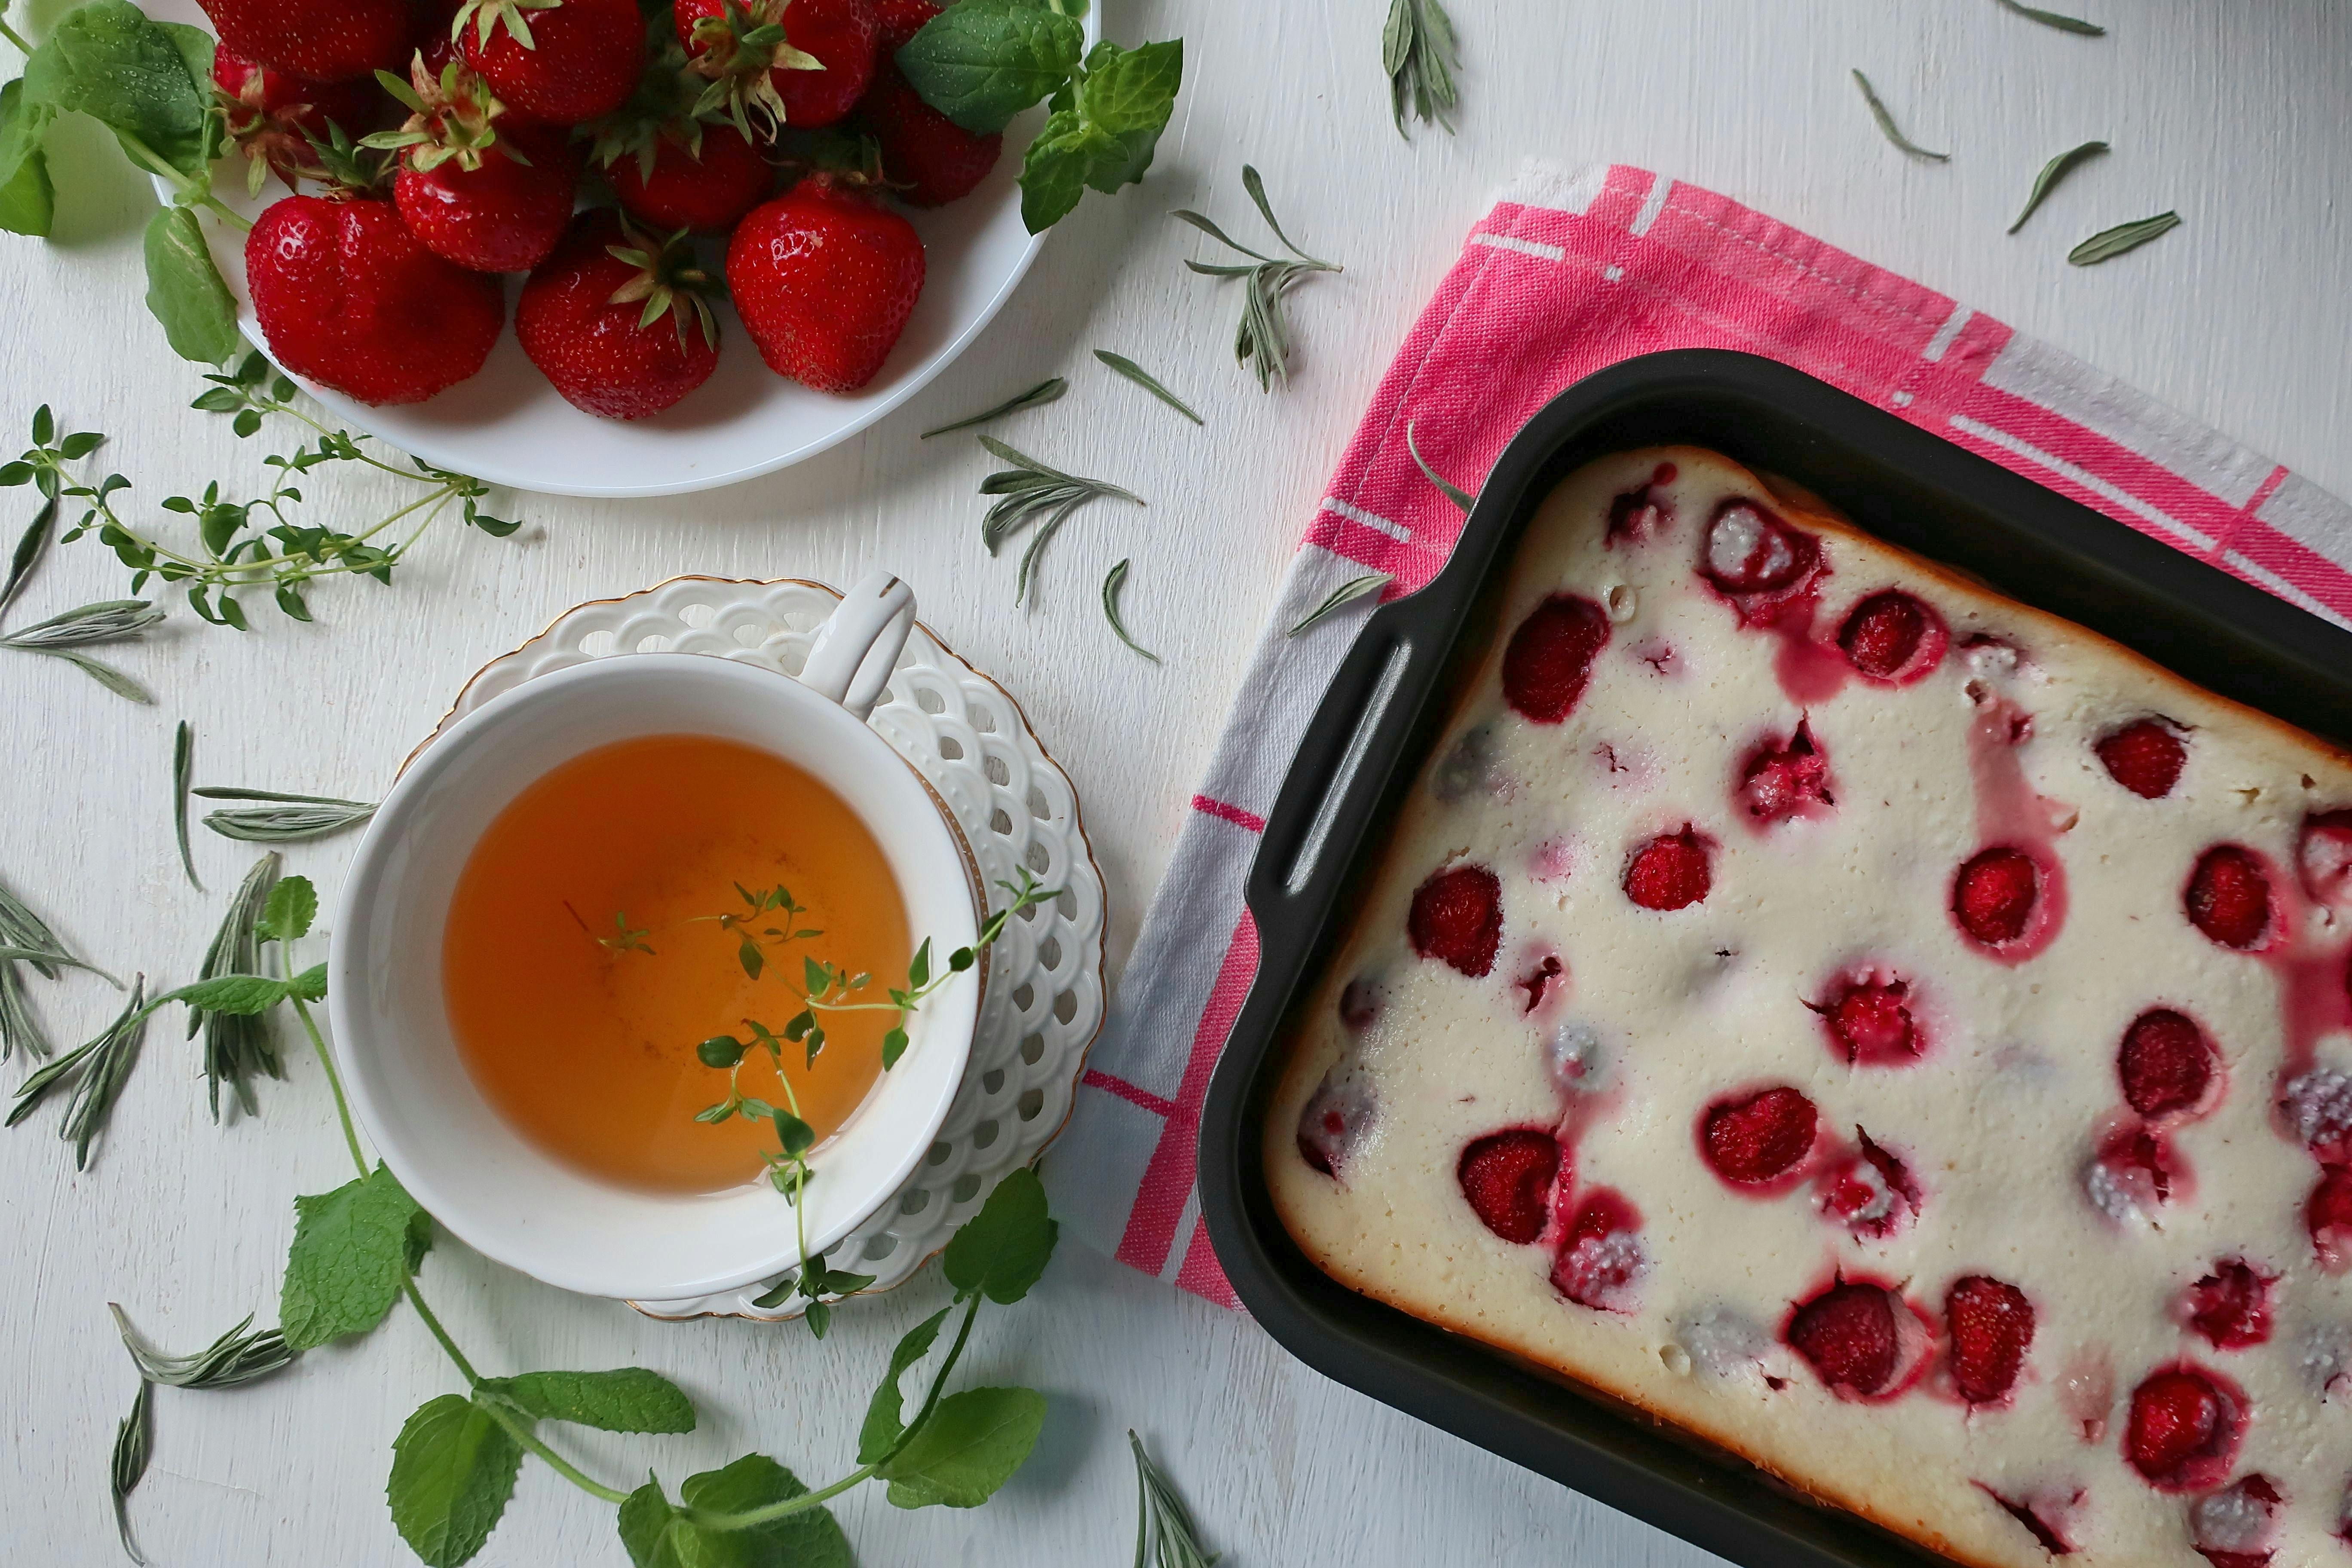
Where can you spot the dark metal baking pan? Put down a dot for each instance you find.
(1381, 714)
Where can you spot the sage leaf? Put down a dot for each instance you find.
(1887, 125)
(2075, 25)
(1419, 53)
(184, 290)
(28, 199)
(238, 1356)
(980, 62)
(969, 1447)
(1045, 391)
(1001, 1251)
(353, 1249)
(1111, 585)
(627, 1399)
(1105, 136)
(1146, 380)
(148, 82)
(2053, 172)
(2110, 243)
(134, 1440)
(27, 553)
(1347, 592)
(453, 1471)
(660, 1534)
(885, 1421)
(184, 741)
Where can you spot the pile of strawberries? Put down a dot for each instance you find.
(595, 145)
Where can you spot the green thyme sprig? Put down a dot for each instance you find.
(1261, 341)
(1419, 53)
(262, 543)
(751, 937)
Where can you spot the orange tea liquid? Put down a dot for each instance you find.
(587, 1046)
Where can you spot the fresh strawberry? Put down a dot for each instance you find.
(1892, 636)
(1781, 782)
(1852, 1335)
(2166, 1063)
(1601, 1261)
(272, 117)
(316, 40)
(2184, 1428)
(1507, 1178)
(561, 61)
(1994, 895)
(487, 194)
(1759, 1139)
(705, 184)
(2328, 1216)
(2231, 1306)
(1870, 1022)
(2145, 757)
(824, 279)
(2229, 897)
(810, 74)
(1870, 1192)
(1669, 872)
(927, 160)
(1457, 918)
(1549, 661)
(616, 320)
(349, 298)
(897, 22)
(1991, 1325)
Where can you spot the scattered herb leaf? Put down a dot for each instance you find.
(288, 819)
(109, 621)
(1034, 493)
(96, 1073)
(1347, 592)
(2110, 243)
(1045, 391)
(183, 743)
(1144, 379)
(2052, 19)
(238, 1356)
(238, 1047)
(1419, 53)
(1165, 1536)
(133, 1439)
(1263, 340)
(2053, 172)
(1460, 498)
(1111, 585)
(27, 553)
(23, 931)
(1887, 125)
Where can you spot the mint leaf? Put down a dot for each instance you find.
(29, 202)
(293, 905)
(453, 1469)
(971, 1447)
(1104, 133)
(353, 1249)
(236, 995)
(627, 1399)
(1002, 1249)
(311, 985)
(148, 82)
(185, 290)
(885, 1420)
(980, 62)
(658, 1535)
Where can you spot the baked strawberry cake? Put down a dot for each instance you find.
(1886, 1030)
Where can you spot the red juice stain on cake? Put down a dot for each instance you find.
(1785, 779)
(2184, 1428)
(1771, 574)
(1547, 663)
(1989, 1324)
(2086, 1392)
(1894, 638)
(1538, 981)
(2228, 897)
(2232, 1528)
(1506, 1177)
(2010, 898)
(2324, 858)
(1641, 512)
(2135, 1173)
(2166, 1063)
(2231, 1305)
(2044, 1516)
(1869, 1190)
(1860, 1338)
(1670, 872)
(1457, 918)
(1758, 1143)
(2327, 1214)
(1867, 1014)
(2144, 756)
(1601, 1259)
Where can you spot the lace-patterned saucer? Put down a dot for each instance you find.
(967, 736)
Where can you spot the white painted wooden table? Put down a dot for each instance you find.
(2231, 112)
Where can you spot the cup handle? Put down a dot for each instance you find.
(850, 661)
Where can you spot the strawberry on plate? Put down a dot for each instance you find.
(561, 61)
(927, 160)
(782, 62)
(350, 299)
(316, 40)
(617, 320)
(272, 117)
(824, 279)
(491, 197)
(672, 168)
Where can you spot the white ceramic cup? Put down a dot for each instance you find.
(496, 1191)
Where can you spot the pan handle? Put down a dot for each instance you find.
(1299, 852)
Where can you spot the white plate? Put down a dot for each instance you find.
(507, 426)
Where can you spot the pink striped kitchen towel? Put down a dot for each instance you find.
(1568, 274)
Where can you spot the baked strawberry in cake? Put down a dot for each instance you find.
(1892, 1033)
